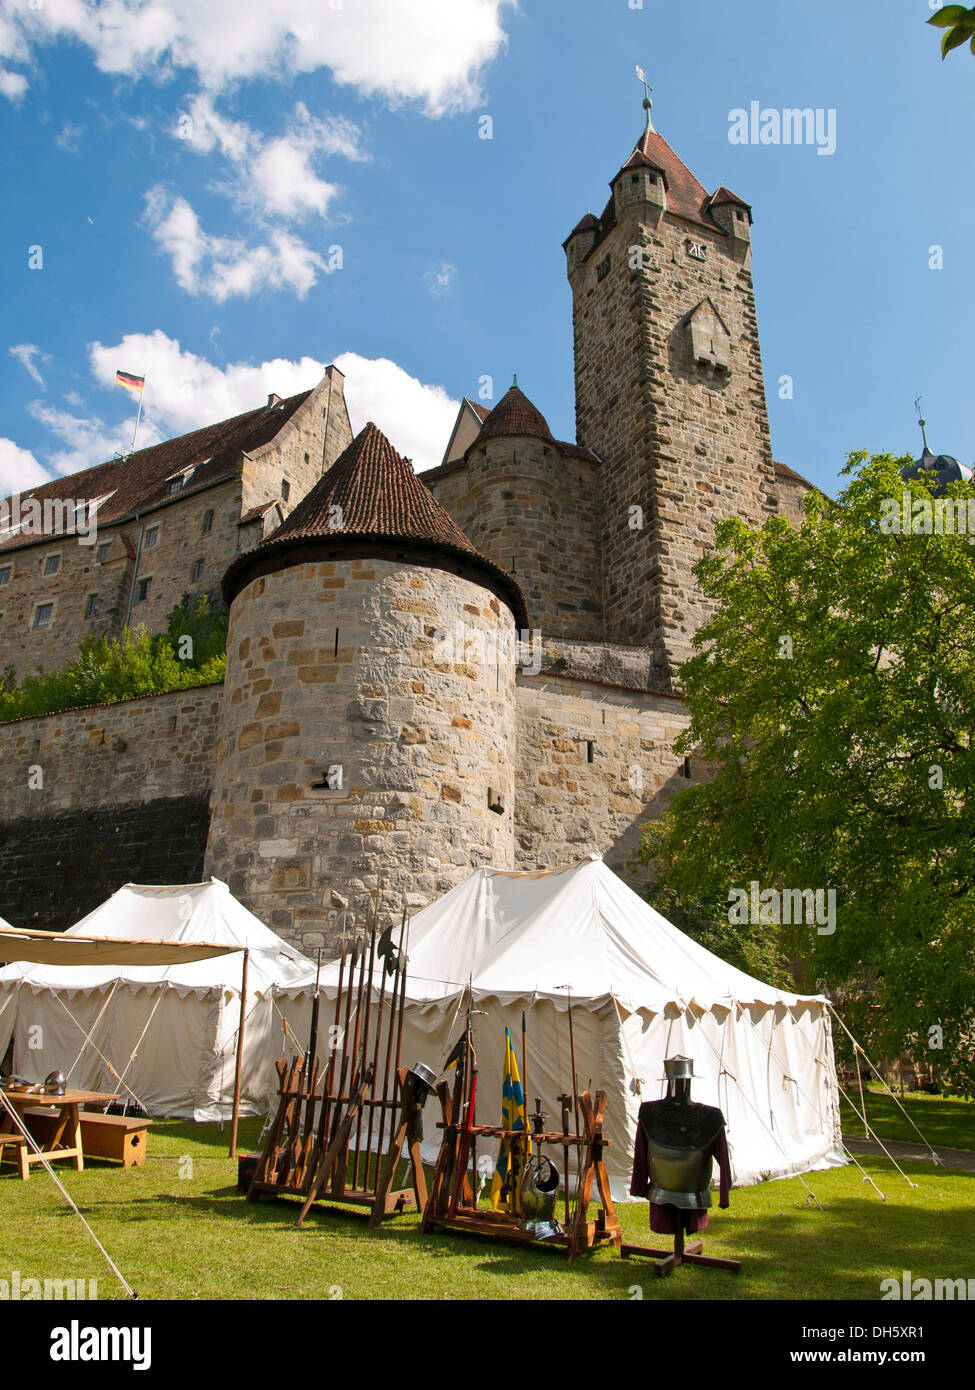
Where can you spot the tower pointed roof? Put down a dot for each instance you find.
(686, 197)
(371, 501)
(515, 414)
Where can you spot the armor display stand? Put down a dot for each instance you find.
(675, 1146)
(465, 1218)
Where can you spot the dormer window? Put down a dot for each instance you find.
(174, 485)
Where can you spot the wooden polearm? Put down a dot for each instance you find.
(375, 1077)
(322, 1138)
(238, 1066)
(365, 1046)
(394, 993)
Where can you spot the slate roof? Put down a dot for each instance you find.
(140, 481)
(371, 493)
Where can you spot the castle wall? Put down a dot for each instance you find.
(536, 513)
(339, 663)
(685, 443)
(94, 798)
(594, 764)
(304, 448)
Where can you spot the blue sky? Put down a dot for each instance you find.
(188, 171)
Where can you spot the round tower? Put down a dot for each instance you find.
(533, 507)
(368, 735)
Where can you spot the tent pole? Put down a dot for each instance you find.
(240, 1056)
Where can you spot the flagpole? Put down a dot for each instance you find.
(138, 416)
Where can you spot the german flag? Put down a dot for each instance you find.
(134, 383)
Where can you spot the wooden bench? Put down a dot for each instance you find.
(18, 1142)
(121, 1137)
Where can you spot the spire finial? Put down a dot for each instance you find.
(922, 423)
(514, 381)
(647, 101)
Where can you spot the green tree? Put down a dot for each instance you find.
(138, 662)
(833, 694)
(959, 24)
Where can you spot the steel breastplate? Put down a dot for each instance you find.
(678, 1138)
(681, 1177)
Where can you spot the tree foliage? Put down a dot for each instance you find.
(833, 694)
(959, 25)
(108, 669)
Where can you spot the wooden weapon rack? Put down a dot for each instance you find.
(315, 1148)
(451, 1208)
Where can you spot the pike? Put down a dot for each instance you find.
(389, 1039)
(365, 1047)
(375, 1076)
(575, 1084)
(355, 1073)
(310, 1079)
(322, 1137)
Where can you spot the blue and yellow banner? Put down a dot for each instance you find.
(506, 1183)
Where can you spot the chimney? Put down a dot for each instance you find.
(273, 400)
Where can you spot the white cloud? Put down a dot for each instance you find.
(277, 177)
(439, 278)
(416, 418)
(25, 354)
(69, 137)
(19, 469)
(223, 267)
(13, 85)
(89, 441)
(427, 51)
(185, 391)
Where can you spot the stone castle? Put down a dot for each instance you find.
(426, 673)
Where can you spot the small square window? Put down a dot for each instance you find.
(207, 523)
(142, 590)
(102, 551)
(285, 489)
(43, 614)
(152, 536)
(174, 485)
(52, 563)
(5, 574)
(197, 571)
(91, 603)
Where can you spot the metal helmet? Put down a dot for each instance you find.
(539, 1189)
(55, 1084)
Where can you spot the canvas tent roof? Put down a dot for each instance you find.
(204, 916)
(58, 948)
(641, 991)
(165, 1035)
(531, 933)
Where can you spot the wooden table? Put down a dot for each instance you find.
(64, 1140)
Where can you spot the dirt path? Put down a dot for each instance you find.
(960, 1159)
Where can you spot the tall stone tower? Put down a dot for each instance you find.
(367, 635)
(669, 389)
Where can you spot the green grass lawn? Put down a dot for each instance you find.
(948, 1120)
(192, 1237)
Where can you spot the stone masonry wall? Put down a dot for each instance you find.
(94, 798)
(684, 443)
(537, 513)
(339, 663)
(594, 764)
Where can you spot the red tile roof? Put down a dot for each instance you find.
(685, 196)
(139, 482)
(725, 195)
(371, 493)
(514, 414)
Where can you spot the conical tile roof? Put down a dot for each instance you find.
(371, 498)
(514, 414)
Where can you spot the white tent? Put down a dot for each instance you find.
(641, 990)
(166, 1035)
